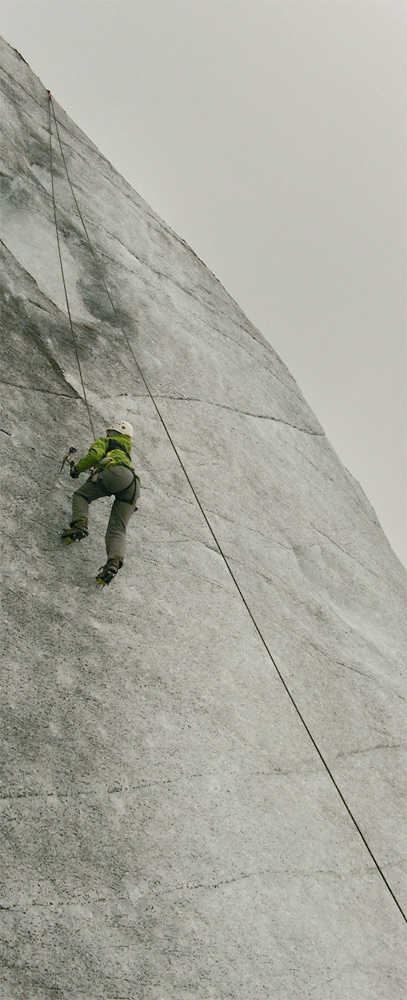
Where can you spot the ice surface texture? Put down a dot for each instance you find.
(171, 832)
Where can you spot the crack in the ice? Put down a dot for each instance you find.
(213, 307)
(192, 886)
(17, 83)
(38, 306)
(34, 388)
(379, 746)
(42, 347)
(276, 872)
(56, 904)
(256, 336)
(348, 666)
(149, 267)
(258, 361)
(244, 413)
(349, 554)
(349, 495)
(272, 770)
(89, 793)
(247, 527)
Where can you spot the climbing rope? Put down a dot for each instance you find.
(62, 267)
(216, 540)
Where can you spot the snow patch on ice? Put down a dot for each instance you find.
(43, 176)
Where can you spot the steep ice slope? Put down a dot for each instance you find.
(170, 829)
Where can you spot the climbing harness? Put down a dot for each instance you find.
(212, 532)
(105, 464)
(134, 483)
(114, 446)
(95, 477)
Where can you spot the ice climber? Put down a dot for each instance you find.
(112, 474)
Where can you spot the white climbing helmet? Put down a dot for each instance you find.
(121, 427)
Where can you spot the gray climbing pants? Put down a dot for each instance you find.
(116, 479)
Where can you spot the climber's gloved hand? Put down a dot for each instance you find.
(73, 472)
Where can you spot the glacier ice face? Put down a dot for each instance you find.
(171, 829)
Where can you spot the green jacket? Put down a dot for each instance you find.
(99, 457)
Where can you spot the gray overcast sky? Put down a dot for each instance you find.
(271, 137)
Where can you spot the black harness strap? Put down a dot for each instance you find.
(135, 481)
(113, 445)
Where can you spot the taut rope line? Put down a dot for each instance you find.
(220, 550)
(62, 268)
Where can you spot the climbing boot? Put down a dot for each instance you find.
(107, 572)
(77, 531)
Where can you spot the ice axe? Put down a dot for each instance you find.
(69, 457)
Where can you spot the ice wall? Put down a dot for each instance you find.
(183, 751)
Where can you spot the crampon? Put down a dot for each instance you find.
(75, 533)
(108, 572)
